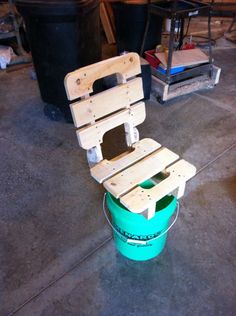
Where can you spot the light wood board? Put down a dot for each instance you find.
(140, 172)
(184, 58)
(107, 102)
(111, 15)
(106, 23)
(106, 169)
(139, 199)
(80, 82)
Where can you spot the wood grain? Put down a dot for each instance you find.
(140, 172)
(139, 199)
(91, 136)
(106, 23)
(106, 102)
(106, 169)
(184, 58)
(80, 82)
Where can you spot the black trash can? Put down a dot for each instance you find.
(64, 35)
(130, 21)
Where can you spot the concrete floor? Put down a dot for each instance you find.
(57, 256)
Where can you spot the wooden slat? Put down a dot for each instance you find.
(104, 103)
(91, 136)
(106, 169)
(139, 199)
(111, 15)
(80, 82)
(141, 171)
(106, 24)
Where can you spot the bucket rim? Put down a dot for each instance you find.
(157, 235)
(127, 213)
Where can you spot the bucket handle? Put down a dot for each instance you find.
(136, 241)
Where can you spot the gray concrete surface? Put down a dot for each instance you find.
(57, 256)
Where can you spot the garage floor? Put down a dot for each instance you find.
(57, 256)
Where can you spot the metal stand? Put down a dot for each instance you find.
(178, 10)
(165, 92)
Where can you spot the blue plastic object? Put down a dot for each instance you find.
(172, 71)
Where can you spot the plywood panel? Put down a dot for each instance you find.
(189, 57)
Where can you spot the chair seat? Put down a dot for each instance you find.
(139, 199)
(143, 170)
(108, 168)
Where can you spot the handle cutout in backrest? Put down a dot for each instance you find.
(115, 136)
(80, 82)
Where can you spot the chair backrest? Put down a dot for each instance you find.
(94, 115)
(79, 83)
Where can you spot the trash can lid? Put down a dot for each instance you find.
(53, 7)
(51, 2)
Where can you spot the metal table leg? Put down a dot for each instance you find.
(145, 32)
(170, 49)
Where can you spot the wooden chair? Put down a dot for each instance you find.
(94, 115)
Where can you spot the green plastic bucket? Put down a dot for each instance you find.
(136, 237)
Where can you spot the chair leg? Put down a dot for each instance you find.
(94, 155)
(131, 134)
(181, 190)
(151, 211)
